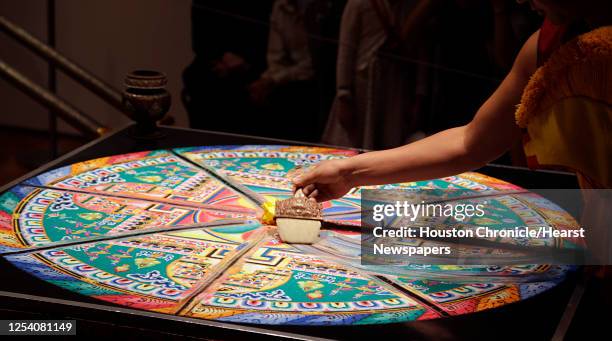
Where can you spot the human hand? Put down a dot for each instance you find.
(325, 181)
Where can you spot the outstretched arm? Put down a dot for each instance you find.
(491, 132)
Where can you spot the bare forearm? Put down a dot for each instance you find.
(439, 155)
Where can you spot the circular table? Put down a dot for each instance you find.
(178, 231)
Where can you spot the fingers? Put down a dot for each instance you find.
(309, 182)
(318, 196)
(304, 179)
(314, 194)
(308, 190)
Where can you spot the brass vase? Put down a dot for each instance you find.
(146, 101)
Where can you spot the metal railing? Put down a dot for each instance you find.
(65, 110)
(72, 115)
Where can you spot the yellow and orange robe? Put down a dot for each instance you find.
(566, 110)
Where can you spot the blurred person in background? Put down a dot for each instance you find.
(286, 91)
(376, 90)
(229, 42)
(322, 20)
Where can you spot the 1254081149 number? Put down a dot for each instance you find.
(38, 327)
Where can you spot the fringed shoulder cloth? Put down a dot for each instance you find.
(566, 110)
